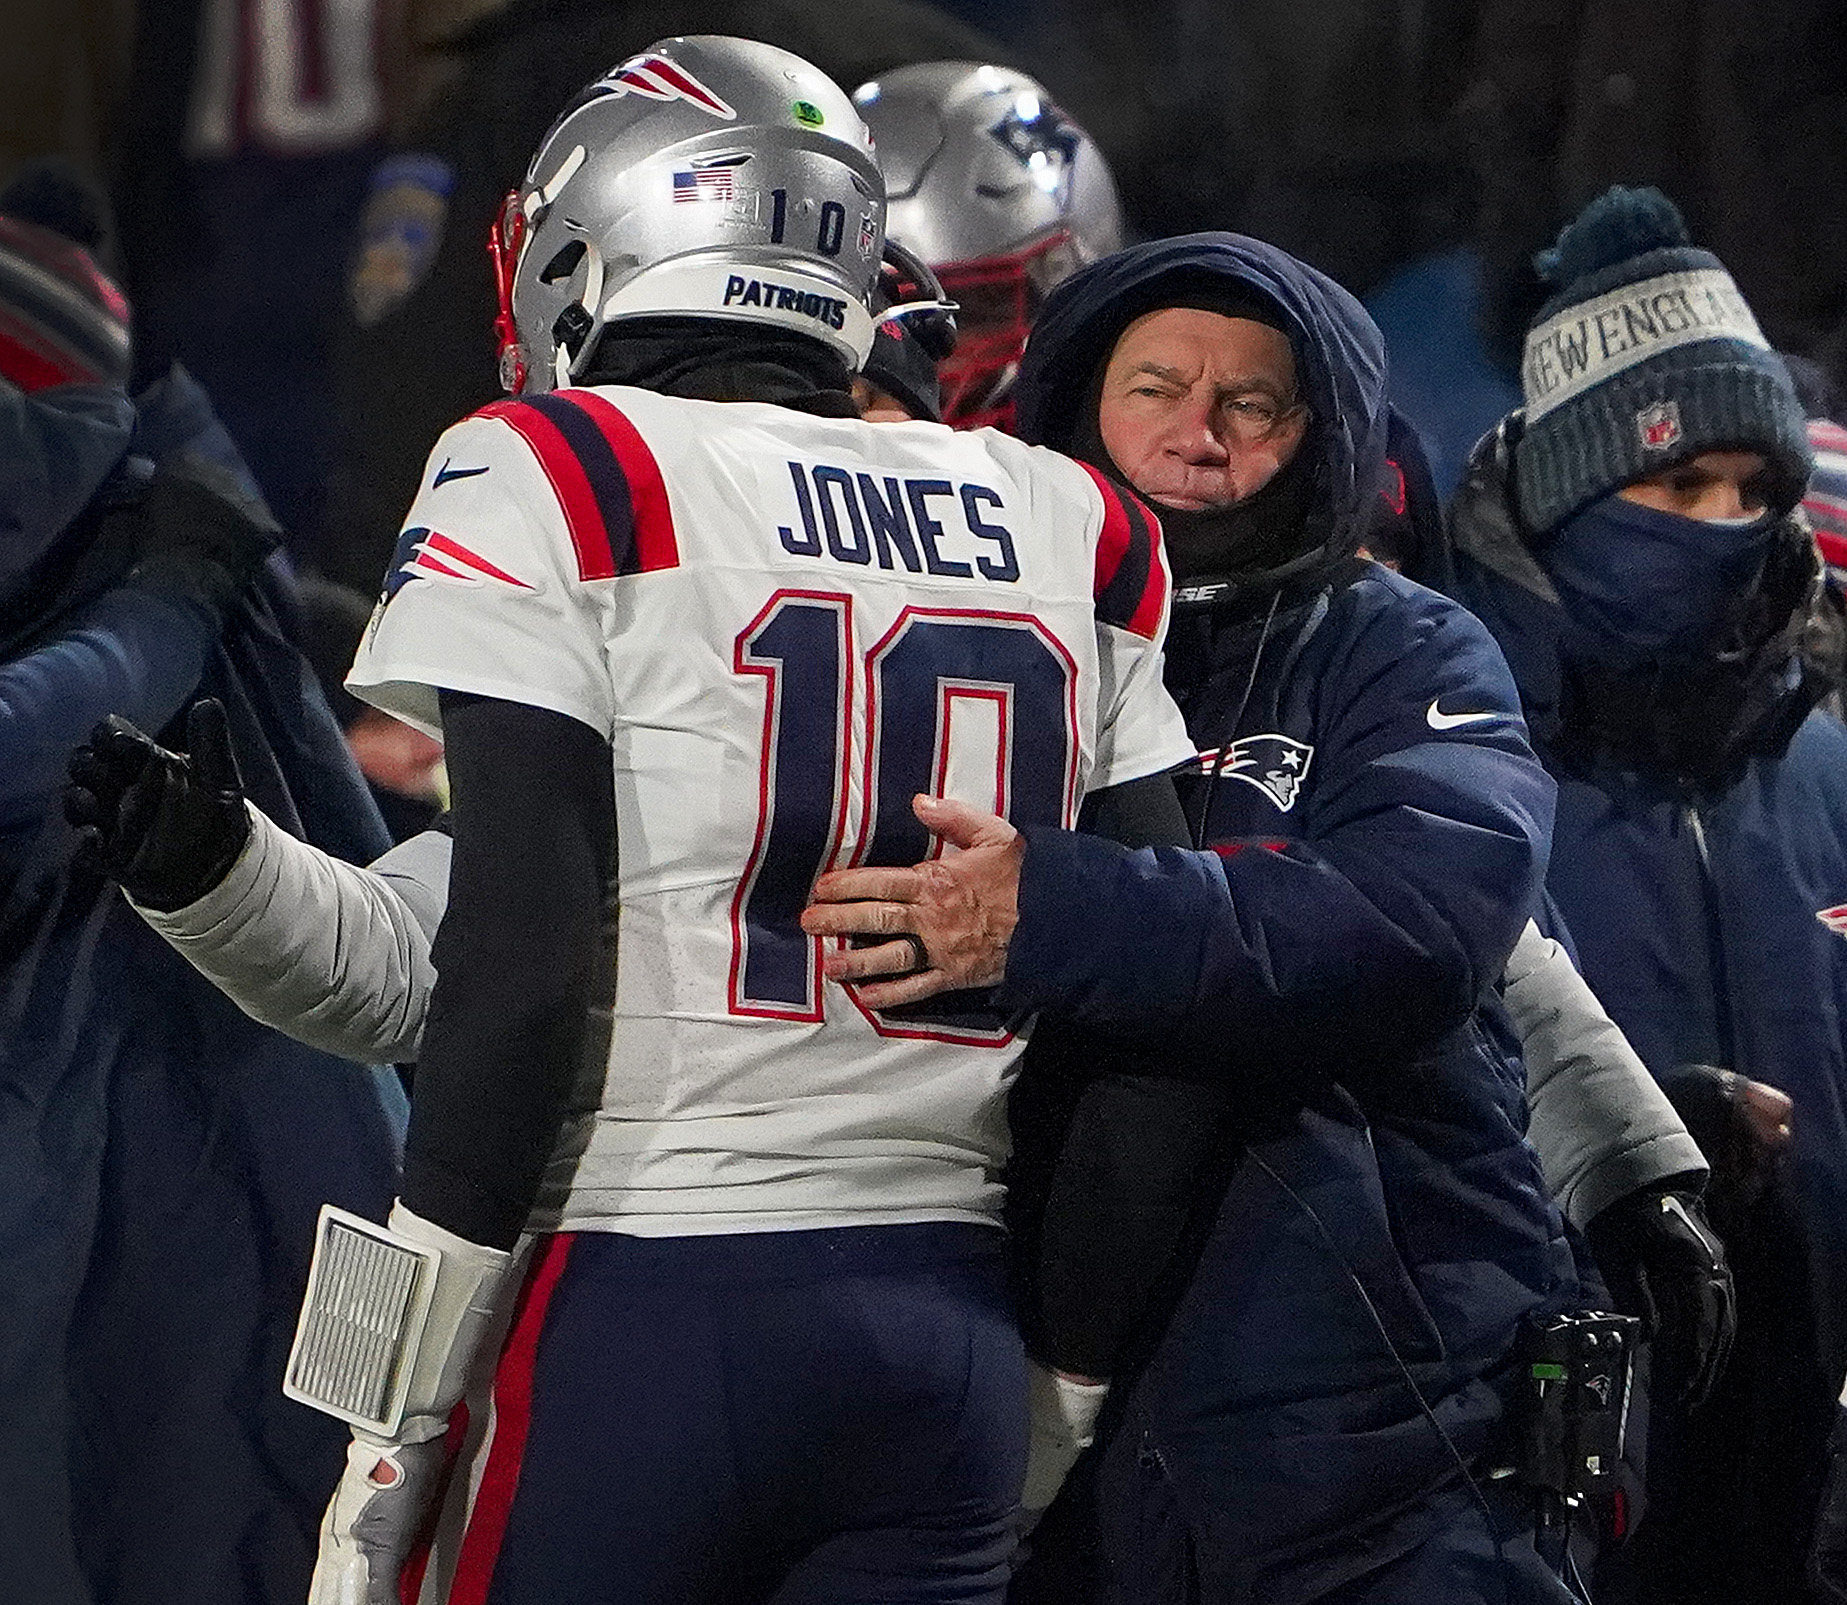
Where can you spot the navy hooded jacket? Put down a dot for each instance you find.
(1712, 923)
(162, 1157)
(1374, 829)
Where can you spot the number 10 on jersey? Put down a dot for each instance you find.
(944, 694)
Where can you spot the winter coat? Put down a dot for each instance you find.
(162, 1158)
(1709, 921)
(1374, 827)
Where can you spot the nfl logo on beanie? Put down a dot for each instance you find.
(1646, 354)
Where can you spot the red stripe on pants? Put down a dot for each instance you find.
(487, 1523)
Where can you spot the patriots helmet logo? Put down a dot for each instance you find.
(423, 553)
(654, 77)
(1275, 764)
(1044, 140)
(1834, 918)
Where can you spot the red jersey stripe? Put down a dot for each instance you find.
(656, 546)
(1130, 586)
(570, 484)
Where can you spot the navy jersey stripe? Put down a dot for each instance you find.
(603, 472)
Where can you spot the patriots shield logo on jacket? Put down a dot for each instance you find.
(1276, 765)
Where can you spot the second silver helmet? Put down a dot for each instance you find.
(999, 191)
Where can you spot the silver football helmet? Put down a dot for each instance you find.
(1000, 192)
(706, 177)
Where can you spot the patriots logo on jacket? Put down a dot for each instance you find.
(1275, 765)
(1834, 918)
(426, 554)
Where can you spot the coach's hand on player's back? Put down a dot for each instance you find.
(960, 909)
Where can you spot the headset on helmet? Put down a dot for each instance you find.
(706, 177)
(1002, 194)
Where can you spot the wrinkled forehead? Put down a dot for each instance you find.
(1196, 344)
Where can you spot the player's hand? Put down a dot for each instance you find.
(375, 1518)
(960, 909)
(167, 825)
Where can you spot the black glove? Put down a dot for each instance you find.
(1665, 1264)
(196, 531)
(1828, 1550)
(1742, 1127)
(167, 826)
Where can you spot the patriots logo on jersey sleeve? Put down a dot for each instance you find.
(1275, 765)
(426, 554)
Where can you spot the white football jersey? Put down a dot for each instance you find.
(786, 627)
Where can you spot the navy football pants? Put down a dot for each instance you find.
(832, 1417)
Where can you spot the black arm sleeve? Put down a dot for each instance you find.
(1129, 1143)
(534, 827)
(1138, 813)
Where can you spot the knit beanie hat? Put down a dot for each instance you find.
(62, 319)
(1645, 354)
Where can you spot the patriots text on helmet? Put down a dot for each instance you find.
(743, 292)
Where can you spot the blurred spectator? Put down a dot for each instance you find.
(161, 1158)
(403, 766)
(423, 356)
(249, 135)
(1826, 500)
(1628, 539)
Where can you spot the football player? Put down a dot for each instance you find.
(693, 633)
(1003, 195)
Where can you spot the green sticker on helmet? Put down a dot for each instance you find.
(808, 114)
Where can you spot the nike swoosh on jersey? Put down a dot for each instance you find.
(1439, 720)
(445, 473)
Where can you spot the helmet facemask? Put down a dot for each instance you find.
(997, 298)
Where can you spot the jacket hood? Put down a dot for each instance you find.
(72, 454)
(1339, 352)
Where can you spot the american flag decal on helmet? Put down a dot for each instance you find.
(656, 78)
(1834, 918)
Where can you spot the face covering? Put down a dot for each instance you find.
(1638, 584)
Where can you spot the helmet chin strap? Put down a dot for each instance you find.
(567, 361)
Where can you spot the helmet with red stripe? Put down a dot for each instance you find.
(1000, 192)
(706, 177)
